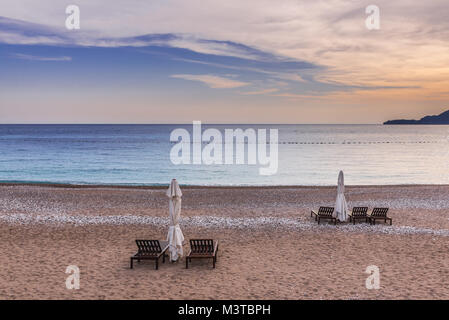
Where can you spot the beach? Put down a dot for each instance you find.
(270, 247)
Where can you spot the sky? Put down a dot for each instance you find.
(252, 61)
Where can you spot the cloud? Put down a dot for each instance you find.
(292, 74)
(264, 91)
(221, 48)
(40, 58)
(212, 81)
(13, 31)
(299, 96)
(411, 46)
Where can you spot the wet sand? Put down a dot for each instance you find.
(270, 248)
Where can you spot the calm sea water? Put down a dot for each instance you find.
(140, 155)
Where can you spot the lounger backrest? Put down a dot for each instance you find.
(148, 246)
(359, 211)
(379, 212)
(325, 211)
(202, 246)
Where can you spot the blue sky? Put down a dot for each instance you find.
(154, 72)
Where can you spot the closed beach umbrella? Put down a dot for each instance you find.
(175, 236)
(341, 207)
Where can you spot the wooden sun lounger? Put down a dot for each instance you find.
(324, 213)
(358, 213)
(202, 249)
(150, 250)
(379, 214)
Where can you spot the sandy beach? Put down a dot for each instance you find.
(270, 248)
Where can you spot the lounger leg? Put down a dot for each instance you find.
(214, 262)
(131, 263)
(318, 220)
(157, 264)
(163, 258)
(187, 263)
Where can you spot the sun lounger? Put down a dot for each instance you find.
(150, 250)
(358, 213)
(379, 214)
(202, 249)
(324, 213)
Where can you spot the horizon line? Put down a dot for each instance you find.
(186, 123)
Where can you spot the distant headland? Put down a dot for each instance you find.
(442, 118)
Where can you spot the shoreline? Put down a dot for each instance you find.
(165, 186)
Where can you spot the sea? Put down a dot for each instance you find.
(309, 155)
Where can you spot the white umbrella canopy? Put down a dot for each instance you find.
(341, 207)
(175, 236)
